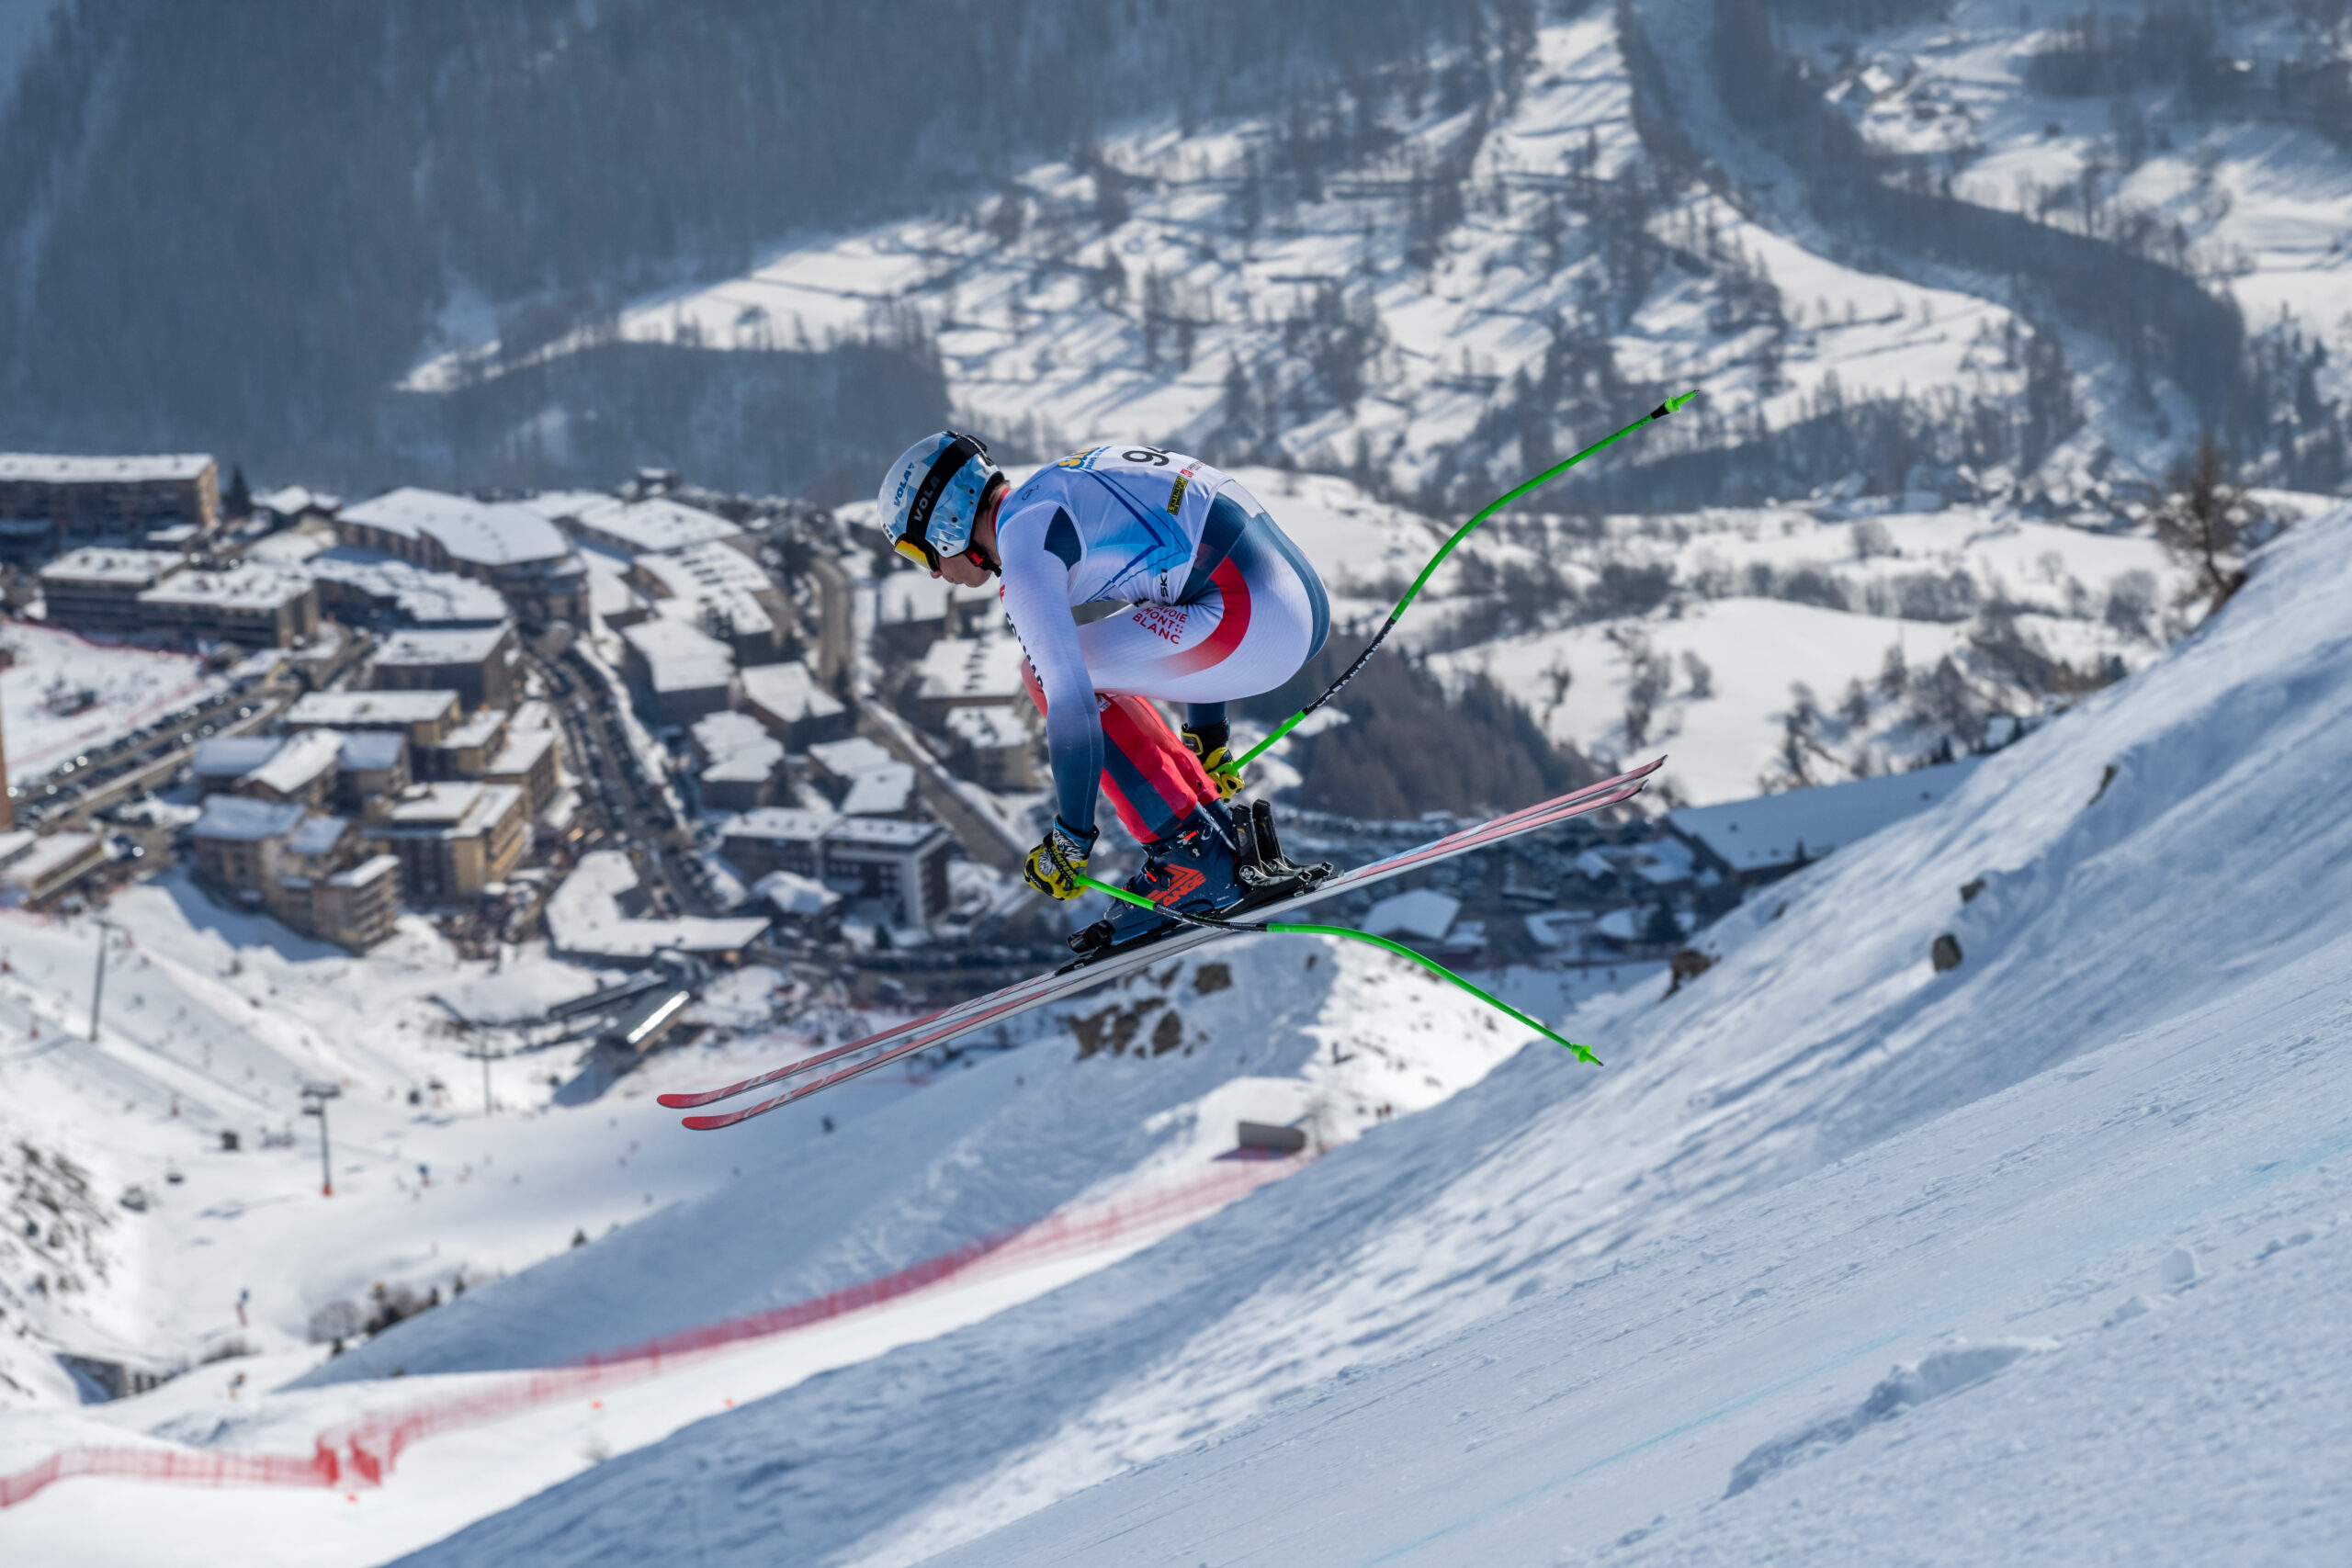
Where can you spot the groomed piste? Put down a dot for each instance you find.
(1555, 1317)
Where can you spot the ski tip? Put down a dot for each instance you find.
(682, 1101)
(707, 1123)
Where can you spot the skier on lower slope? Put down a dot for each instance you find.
(1221, 605)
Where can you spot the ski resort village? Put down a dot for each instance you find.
(1138, 782)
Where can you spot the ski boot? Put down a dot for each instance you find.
(1266, 875)
(1193, 869)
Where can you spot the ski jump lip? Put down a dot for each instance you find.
(949, 1022)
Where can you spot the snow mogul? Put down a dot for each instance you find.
(1221, 605)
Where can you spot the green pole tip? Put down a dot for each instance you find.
(1674, 403)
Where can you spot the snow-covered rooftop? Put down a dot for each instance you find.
(738, 747)
(47, 856)
(317, 835)
(292, 501)
(372, 751)
(882, 832)
(373, 709)
(373, 869)
(1773, 830)
(296, 764)
(457, 808)
(243, 586)
(44, 468)
(520, 751)
(704, 580)
(233, 756)
(447, 801)
(847, 759)
(486, 533)
(479, 731)
(440, 645)
(882, 791)
(681, 658)
(243, 817)
(97, 563)
(992, 728)
(654, 524)
(583, 917)
(792, 894)
(426, 597)
(1424, 912)
(555, 505)
(789, 691)
(971, 670)
(780, 822)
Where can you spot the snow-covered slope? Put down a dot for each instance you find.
(1123, 1103)
(213, 1020)
(2260, 203)
(1399, 296)
(1163, 1069)
(61, 694)
(1749, 615)
(1701, 634)
(2138, 1053)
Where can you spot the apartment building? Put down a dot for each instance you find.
(900, 866)
(453, 838)
(50, 502)
(476, 662)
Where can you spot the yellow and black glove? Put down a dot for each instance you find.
(1055, 864)
(1212, 745)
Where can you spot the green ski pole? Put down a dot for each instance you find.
(1546, 477)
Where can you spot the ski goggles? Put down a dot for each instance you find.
(915, 543)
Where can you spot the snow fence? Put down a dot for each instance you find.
(363, 1452)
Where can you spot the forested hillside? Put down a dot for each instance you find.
(236, 227)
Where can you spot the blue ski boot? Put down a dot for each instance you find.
(1193, 869)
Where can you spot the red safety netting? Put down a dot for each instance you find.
(364, 1451)
(194, 1466)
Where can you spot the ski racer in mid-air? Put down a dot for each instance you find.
(1221, 605)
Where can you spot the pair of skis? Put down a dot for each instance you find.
(860, 1056)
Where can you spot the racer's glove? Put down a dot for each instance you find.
(1055, 864)
(1211, 744)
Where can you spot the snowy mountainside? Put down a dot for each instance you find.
(1114, 1090)
(1437, 292)
(1433, 295)
(2080, 1320)
(1693, 632)
(2163, 875)
(1961, 143)
(1772, 648)
(2073, 120)
(213, 1018)
(1123, 1099)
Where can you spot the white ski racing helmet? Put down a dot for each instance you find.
(932, 496)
